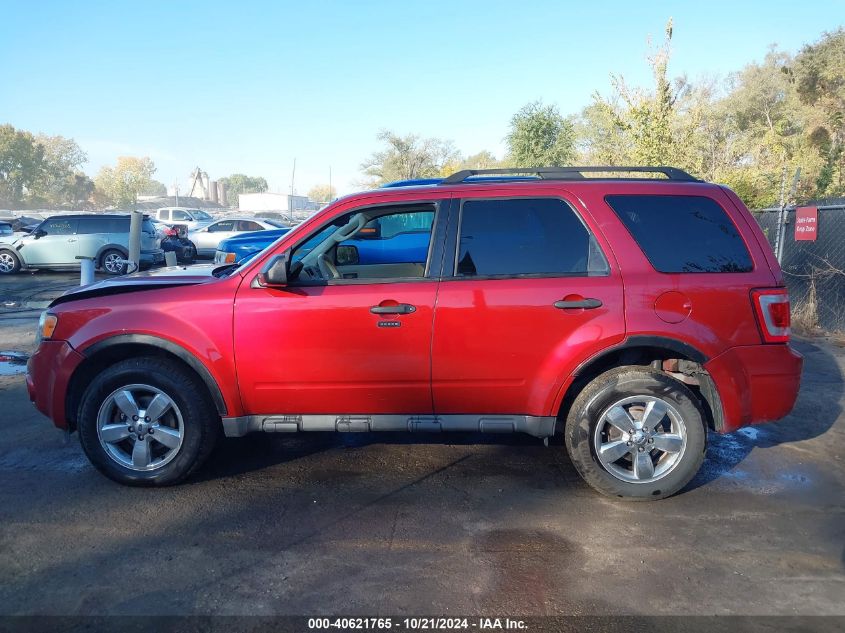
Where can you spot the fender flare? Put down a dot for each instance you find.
(169, 346)
(672, 344)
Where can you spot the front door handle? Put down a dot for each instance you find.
(397, 308)
(586, 304)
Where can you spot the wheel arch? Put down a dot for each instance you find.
(109, 247)
(102, 353)
(663, 353)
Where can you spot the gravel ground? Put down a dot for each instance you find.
(390, 524)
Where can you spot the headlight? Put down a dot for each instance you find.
(46, 326)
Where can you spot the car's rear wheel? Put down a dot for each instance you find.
(636, 433)
(147, 422)
(9, 262)
(113, 262)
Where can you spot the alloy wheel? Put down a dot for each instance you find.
(640, 439)
(140, 427)
(7, 263)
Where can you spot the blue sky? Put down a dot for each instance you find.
(247, 86)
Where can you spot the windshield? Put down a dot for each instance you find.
(277, 223)
(201, 215)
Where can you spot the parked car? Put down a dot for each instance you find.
(58, 240)
(206, 238)
(192, 218)
(386, 241)
(630, 315)
(240, 248)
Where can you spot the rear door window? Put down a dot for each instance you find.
(683, 234)
(525, 236)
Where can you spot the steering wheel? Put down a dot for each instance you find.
(327, 269)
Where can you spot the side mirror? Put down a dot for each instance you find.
(275, 271)
(347, 255)
(39, 234)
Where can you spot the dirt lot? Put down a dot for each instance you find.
(366, 524)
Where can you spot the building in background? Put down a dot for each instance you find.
(278, 202)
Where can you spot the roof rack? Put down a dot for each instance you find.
(567, 173)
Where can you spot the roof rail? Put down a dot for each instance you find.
(568, 173)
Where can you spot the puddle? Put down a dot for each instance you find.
(27, 305)
(12, 363)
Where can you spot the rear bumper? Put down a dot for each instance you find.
(151, 258)
(48, 373)
(756, 383)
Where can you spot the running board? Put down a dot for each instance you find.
(532, 425)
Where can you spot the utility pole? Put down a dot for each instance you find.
(780, 237)
(290, 199)
(176, 189)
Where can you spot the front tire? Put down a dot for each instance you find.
(9, 262)
(147, 422)
(636, 433)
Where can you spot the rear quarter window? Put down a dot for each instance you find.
(683, 234)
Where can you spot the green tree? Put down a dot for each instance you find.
(539, 136)
(22, 166)
(63, 183)
(482, 160)
(122, 184)
(241, 183)
(819, 76)
(407, 157)
(649, 123)
(322, 193)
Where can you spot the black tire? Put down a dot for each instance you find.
(200, 419)
(10, 263)
(599, 396)
(109, 268)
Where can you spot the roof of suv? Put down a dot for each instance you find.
(537, 174)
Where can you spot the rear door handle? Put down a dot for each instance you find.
(586, 304)
(399, 308)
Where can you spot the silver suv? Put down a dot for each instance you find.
(60, 240)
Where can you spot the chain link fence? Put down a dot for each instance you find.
(814, 270)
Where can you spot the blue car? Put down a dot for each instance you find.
(238, 249)
(380, 243)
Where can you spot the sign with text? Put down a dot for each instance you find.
(806, 224)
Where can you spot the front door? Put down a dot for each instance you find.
(350, 334)
(54, 243)
(530, 291)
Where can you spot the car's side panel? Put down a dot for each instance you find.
(169, 314)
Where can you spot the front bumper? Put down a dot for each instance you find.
(756, 383)
(48, 373)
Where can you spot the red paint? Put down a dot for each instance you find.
(806, 224)
(472, 346)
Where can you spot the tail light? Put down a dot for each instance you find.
(771, 306)
(170, 232)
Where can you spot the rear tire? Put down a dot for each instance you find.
(636, 433)
(147, 422)
(10, 263)
(111, 262)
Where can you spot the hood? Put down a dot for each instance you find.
(169, 277)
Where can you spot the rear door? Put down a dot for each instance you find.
(529, 288)
(57, 246)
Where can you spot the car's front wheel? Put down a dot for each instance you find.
(147, 422)
(636, 433)
(9, 262)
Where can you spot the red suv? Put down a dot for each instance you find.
(629, 314)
